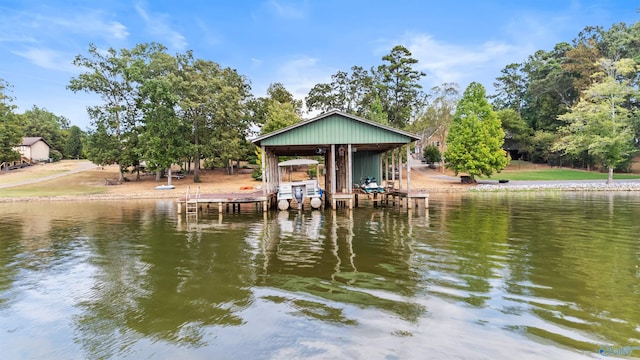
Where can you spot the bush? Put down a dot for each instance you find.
(257, 174)
(431, 154)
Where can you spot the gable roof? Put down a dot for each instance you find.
(381, 133)
(29, 141)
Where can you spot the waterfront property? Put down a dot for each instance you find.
(353, 149)
(355, 153)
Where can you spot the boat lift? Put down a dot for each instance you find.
(298, 190)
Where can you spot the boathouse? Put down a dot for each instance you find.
(353, 149)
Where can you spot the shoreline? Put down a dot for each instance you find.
(620, 186)
(88, 180)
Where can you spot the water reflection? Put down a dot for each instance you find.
(498, 275)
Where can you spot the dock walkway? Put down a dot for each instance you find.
(224, 200)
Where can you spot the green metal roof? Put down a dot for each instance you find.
(335, 127)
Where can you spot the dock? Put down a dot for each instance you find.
(194, 203)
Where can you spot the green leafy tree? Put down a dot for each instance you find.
(517, 132)
(474, 142)
(352, 93)
(10, 130)
(510, 88)
(103, 145)
(279, 116)
(599, 123)
(213, 100)
(41, 122)
(431, 154)
(164, 139)
(398, 86)
(73, 149)
(376, 112)
(110, 74)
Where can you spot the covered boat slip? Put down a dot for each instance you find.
(299, 190)
(354, 150)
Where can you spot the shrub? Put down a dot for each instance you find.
(431, 154)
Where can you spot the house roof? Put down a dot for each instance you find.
(28, 141)
(333, 127)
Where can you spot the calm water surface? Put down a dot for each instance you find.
(492, 276)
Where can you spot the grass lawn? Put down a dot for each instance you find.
(558, 174)
(77, 184)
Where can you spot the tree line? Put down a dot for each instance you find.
(574, 105)
(65, 141)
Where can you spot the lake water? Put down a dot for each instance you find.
(477, 276)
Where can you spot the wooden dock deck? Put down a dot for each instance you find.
(193, 203)
(225, 200)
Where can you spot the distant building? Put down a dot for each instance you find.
(35, 149)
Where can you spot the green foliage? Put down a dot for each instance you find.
(598, 124)
(55, 155)
(398, 86)
(39, 122)
(516, 131)
(474, 143)
(376, 112)
(102, 145)
(10, 130)
(279, 116)
(431, 154)
(392, 89)
(73, 149)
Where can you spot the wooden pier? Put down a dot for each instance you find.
(393, 197)
(194, 202)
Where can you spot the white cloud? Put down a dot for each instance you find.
(48, 59)
(462, 64)
(92, 23)
(33, 27)
(288, 11)
(157, 26)
(301, 73)
(256, 63)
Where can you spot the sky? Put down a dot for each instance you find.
(296, 43)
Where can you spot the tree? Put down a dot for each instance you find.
(433, 124)
(279, 93)
(112, 75)
(398, 86)
(599, 123)
(517, 132)
(10, 131)
(165, 137)
(216, 103)
(41, 122)
(510, 88)
(474, 143)
(103, 145)
(279, 116)
(73, 147)
(351, 93)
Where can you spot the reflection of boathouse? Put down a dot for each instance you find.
(353, 149)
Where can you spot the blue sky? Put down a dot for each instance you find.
(297, 43)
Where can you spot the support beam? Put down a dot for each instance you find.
(400, 169)
(332, 157)
(408, 170)
(263, 168)
(349, 170)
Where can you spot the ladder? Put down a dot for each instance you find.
(191, 203)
